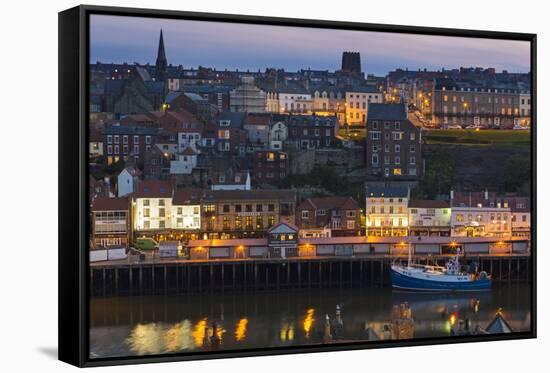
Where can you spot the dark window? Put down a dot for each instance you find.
(225, 208)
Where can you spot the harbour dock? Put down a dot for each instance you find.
(163, 276)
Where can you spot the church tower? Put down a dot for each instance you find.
(161, 63)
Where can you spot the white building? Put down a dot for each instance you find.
(295, 102)
(232, 181)
(429, 218)
(387, 211)
(127, 181)
(152, 206)
(525, 109)
(185, 162)
(278, 133)
(481, 222)
(186, 209)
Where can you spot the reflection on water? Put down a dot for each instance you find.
(168, 324)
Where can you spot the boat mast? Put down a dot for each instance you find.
(409, 262)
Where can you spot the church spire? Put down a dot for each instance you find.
(161, 63)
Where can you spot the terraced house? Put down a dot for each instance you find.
(394, 143)
(245, 213)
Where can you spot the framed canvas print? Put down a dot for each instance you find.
(238, 186)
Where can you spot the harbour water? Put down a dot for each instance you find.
(159, 324)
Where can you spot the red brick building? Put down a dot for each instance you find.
(340, 214)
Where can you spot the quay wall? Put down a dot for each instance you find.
(180, 276)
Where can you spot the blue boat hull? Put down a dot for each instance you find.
(400, 281)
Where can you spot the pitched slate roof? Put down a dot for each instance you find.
(256, 194)
(110, 204)
(154, 189)
(327, 203)
(386, 112)
(187, 196)
(388, 192)
(362, 89)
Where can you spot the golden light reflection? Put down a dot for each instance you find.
(146, 339)
(240, 331)
(287, 332)
(199, 331)
(178, 337)
(308, 321)
(452, 318)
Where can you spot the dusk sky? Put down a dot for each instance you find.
(239, 46)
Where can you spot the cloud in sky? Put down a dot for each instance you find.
(242, 46)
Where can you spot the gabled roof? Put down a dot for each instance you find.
(327, 203)
(386, 112)
(283, 227)
(132, 171)
(188, 151)
(499, 325)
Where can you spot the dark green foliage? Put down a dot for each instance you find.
(438, 179)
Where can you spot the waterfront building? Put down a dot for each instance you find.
(340, 215)
(480, 214)
(521, 216)
(270, 166)
(152, 207)
(357, 103)
(186, 209)
(282, 240)
(127, 181)
(387, 211)
(245, 213)
(393, 143)
(111, 222)
(429, 218)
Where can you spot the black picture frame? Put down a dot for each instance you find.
(73, 182)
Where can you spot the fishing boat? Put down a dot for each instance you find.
(437, 278)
